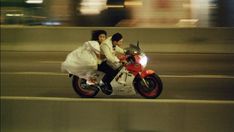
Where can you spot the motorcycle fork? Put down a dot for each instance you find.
(145, 83)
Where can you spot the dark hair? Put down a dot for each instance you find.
(116, 37)
(96, 33)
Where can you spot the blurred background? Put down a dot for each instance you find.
(119, 13)
(193, 58)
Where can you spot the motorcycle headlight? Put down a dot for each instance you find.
(143, 60)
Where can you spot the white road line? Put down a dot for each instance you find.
(163, 76)
(35, 73)
(25, 98)
(198, 76)
(50, 62)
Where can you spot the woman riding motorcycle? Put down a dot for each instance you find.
(83, 61)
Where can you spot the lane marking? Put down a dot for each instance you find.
(199, 76)
(162, 76)
(114, 100)
(51, 62)
(35, 73)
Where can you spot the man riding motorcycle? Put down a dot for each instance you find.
(110, 65)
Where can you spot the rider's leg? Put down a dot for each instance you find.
(110, 73)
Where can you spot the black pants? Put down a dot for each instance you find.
(110, 72)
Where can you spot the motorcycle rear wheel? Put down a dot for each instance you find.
(154, 88)
(89, 92)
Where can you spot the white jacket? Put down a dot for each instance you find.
(110, 53)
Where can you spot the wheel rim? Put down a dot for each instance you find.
(152, 89)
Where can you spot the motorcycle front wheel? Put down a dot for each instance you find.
(82, 89)
(151, 88)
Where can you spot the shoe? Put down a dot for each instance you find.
(90, 87)
(91, 81)
(106, 89)
(70, 75)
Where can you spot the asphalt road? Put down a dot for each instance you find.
(185, 76)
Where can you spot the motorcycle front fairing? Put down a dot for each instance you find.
(122, 83)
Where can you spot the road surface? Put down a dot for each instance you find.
(184, 75)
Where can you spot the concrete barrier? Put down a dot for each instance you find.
(201, 40)
(115, 115)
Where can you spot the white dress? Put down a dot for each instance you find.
(82, 61)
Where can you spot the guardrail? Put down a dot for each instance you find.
(201, 40)
(115, 115)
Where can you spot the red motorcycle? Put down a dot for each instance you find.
(132, 75)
